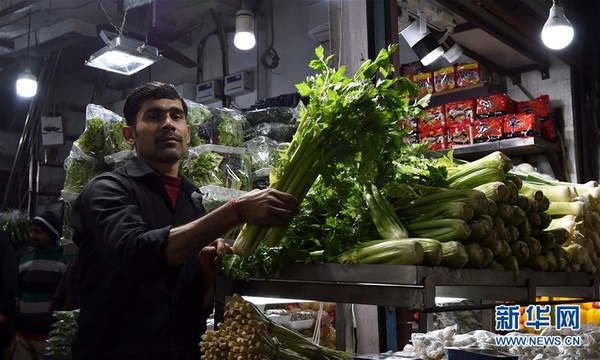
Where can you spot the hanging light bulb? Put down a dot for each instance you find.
(244, 30)
(557, 32)
(27, 83)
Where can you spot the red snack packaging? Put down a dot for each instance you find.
(425, 83)
(412, 126)
(490, 129)
(539, 106)
(459, 118)
(470, 74)
(432, 128)
(495, 105)
(519, 125)
(412, 68)
(444, 79)
(548, 129)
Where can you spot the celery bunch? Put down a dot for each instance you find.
(345, 121)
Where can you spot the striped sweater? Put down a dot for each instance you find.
(40, 272)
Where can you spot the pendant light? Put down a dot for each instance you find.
(27, 82)
(557, 32)
(244, 29)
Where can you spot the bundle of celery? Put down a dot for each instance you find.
(345, 120)
(574, 228)
(247, 333)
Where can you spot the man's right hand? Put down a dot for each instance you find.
(268, 207)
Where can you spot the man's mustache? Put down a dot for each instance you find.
(167, 135)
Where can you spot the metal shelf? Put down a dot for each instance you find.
(412, 287)
(524, 146)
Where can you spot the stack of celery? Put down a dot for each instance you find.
(575, 218)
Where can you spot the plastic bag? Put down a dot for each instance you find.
(80, 169)
(197, 114)
(214, 196)
(67, 197)
(275, 114)
(277, 131)
(103, 133)
(264, 152)
(118, 159)
(16, 224)
(223, 127)
(225, 166)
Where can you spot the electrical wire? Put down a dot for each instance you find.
(270, 59)
(119, 30)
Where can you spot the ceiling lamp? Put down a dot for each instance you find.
(27, 83)
(557, 32)
(422, 41)
(122, 55)
(244, 30)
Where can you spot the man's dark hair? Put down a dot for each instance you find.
(152, 90)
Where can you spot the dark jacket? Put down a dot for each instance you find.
(132, 305)
(9, 276)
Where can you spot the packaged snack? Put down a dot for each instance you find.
(539, 106)
(412, 68)
(490, 129)
(460, 111)
(495, 105)
(519, 125)
(459, 119)
(444, 79)
(425, 83)
(471, 74)
(548, 130)
(432, 129)
(412, 127)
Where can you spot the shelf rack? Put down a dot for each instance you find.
(516, 147)
(410, 287)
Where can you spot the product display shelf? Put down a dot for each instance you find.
(516, 147)
(410, 287)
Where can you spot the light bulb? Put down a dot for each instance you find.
(244, 30)
(26, 84)
(557, 32)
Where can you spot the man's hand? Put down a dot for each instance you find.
(209, 258)
(268, 207)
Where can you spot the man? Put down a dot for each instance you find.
(8, 289)
(40, 272)
(148, 252)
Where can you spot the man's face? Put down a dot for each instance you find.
(39, 237)
(161, 134)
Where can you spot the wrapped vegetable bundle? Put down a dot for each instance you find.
(224, 127)
(274, 114)
(59, 343)
(16, 224)
(247, 333)
(102, 135)
(225, 166)
(197, 114)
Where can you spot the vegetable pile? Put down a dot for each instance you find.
(344, 119)
(248, 333)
